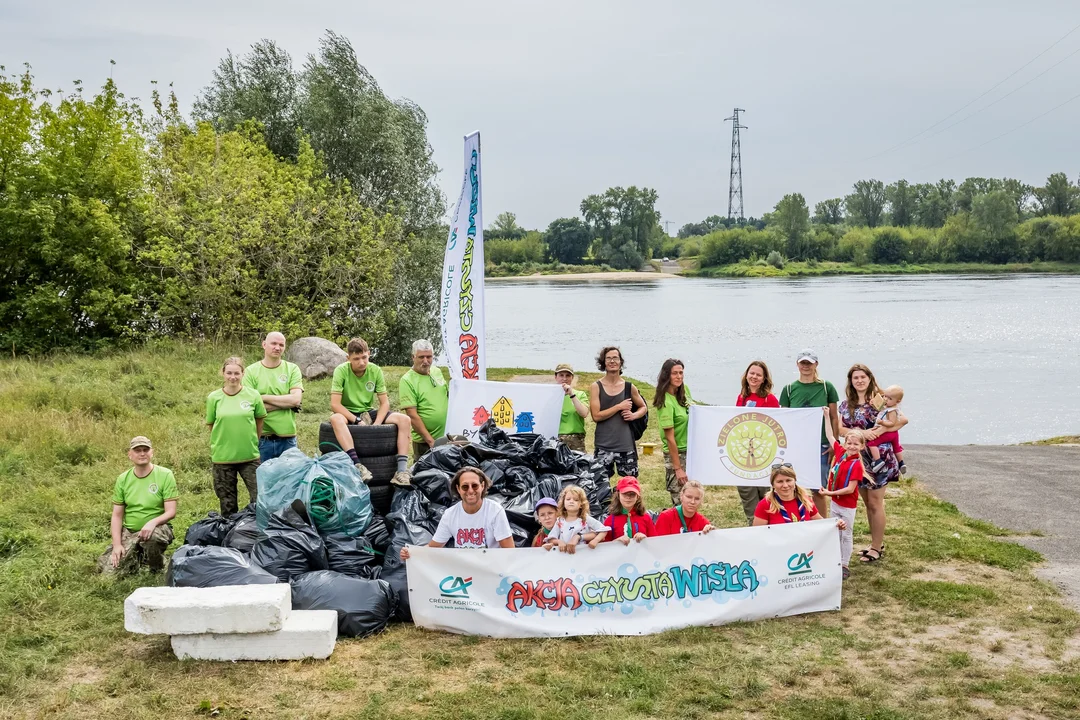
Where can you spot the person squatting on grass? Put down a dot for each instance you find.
(614, 402)
(545, 512)
(144, 501)
(627, 519)
(358, 397)
(573, 524)
(425, 397)
(474, 521)
(672, 400)
(684, 517)
(282, 389)
(756, 391)
(575, 409)
(234, 414)
(811, 391)
(842, 485)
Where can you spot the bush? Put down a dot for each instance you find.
(888, 246)
(726, 247)
(854, 246)
(529, 249)
(691, 247)
(776, 260)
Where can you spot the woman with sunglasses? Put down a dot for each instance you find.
(474, 521)
(786, 502)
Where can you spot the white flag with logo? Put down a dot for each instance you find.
(515, 407)
(739, 445)
(461, 294)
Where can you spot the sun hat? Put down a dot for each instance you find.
(628, 484)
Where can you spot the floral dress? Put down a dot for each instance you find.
(862, 417)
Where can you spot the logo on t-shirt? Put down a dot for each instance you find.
(471, 537)
(370, 386)
(245, 405)
(152, 488)
(283, 378)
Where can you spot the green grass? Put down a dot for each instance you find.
(952, 623)
(813, 269)
(1059, 440)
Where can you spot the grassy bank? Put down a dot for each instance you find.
(1059, 440)
(952, 623)
(524, 269)
(814, 269)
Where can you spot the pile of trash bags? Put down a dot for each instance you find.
(336, 498)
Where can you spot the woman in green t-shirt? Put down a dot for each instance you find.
(234, 414)
(672, 401)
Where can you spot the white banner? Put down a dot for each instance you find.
(462, 303)
(739, 446)
(516, 407)
(658, 584)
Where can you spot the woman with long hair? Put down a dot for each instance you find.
(811, 391)
(672, 401)
(614, 403)
(786, 501)
(756, 391)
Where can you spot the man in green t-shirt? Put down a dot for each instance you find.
(575, 409)
(282, 389)
(424, 396)
(811, 391)
(358, 397)
(144, 501)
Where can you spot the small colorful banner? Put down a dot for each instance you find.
(658, 584)
(739, 446)
(515, 407)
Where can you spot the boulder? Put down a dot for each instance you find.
(315, 356)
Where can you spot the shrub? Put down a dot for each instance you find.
(776, 260)
(889, 246)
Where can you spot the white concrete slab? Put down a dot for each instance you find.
(197, 611)
(305, 634)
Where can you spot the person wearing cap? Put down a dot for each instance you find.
(425, 397)
(627, 518)
(546, 513)
(811, 391)
(144, 501)
(281, 386)
(575, 409)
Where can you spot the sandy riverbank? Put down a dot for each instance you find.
(618, 275)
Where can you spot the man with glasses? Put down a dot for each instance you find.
(424, 396)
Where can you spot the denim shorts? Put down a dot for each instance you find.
(272, 447)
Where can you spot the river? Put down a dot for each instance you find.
(982, 359)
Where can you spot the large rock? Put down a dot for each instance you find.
(315, 356)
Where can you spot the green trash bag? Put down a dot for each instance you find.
(337, 500)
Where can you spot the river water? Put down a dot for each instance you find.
(982, 359)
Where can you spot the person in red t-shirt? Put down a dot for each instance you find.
(628, 519)
(786, 502)
(545, 512)
(684, 517)
(843, 483)
(756, 391)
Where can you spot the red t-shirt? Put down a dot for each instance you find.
(845, 470)
(667, 523)
(540, 537)
(764, 511)
(770, 401)
(617, 523)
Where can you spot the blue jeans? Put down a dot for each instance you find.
(271, 447)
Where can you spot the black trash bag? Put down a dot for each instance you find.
(492, 435)
(211, 566)
(364, 607)
(495, 471)
(522, 506)
(395, 574)
(552, 456)
(352, 556)
(413, 520)
(291, 546)
(244, 532)
(522, 527)
(447, 458)
(378, 533)
(518, 479)
(435, 484)
(211, 530)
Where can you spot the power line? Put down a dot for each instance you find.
(980, 97)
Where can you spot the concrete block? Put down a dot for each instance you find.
(305, 634)
(196, 611)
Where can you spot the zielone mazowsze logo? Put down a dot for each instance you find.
(799, 563)
(455, 587)
(749, 443)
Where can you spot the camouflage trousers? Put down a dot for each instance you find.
(670, 481)
(225, 476)
(137, 552)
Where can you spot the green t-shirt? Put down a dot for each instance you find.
(275, 381)
(807, 395)
(674, 415)
(234, 437)
(430, 395)
(358, 394)
(571, 423)
(144, 498)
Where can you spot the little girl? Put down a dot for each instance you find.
(886, 419)
(628, 519)
(573, 523)
(545, 512)
(684, 517)
(843, 484)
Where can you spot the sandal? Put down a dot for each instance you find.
(868, 558)
(881, 552)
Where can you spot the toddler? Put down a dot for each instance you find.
(573, 524)
(886, 419)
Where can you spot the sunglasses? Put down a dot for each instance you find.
(471, 486)
(780, 465)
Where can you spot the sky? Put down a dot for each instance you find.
(573, 97)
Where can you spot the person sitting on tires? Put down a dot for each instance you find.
(358, 397)
(424, 396)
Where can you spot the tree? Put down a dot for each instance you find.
(1020, 193)
(624, 224)
(972, 188)
(829, 212)
(994, 218)
(706, 226)
(902, 200)
(505, 227)
(568, 240)
(791, 222)
(866, 204)
(934, 203)
(1058, 196)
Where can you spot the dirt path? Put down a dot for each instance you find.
(1024, 488)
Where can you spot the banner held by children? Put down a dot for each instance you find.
(461, 302)
(515, 407)
(739, 446)
(659, 584)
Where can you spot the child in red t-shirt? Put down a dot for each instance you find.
(786, 502)
(628, 519)
(843, 484)
(545, 512)
(684, 517)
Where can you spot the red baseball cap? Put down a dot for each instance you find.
(628, 484)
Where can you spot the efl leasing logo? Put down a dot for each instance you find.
(799, 563)
(455, 587)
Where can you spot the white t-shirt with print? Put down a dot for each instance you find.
(565, 529)
(482, 529)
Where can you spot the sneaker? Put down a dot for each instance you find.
(847, 573)
(402, 478)
(903, 469)
(365, 474)
(877, 467)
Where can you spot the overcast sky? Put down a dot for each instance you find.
(572, 97)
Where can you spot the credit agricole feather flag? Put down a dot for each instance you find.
(461, 304)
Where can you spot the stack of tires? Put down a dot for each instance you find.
(376, 446)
